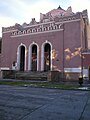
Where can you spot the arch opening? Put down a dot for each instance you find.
(34, 58)
(22, 58)
(47, 57)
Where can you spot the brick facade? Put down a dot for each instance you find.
(63, 32)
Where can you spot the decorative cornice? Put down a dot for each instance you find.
(9, 31)
(37, 33)
(39, 24)
(62, 19)
(23, 33)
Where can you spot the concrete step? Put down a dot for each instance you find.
(31, 75)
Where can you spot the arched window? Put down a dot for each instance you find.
(24, 32)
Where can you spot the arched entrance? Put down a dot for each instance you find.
(34, 58)
(47, 57)
(22, 58)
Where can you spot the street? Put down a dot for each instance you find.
(29, 103)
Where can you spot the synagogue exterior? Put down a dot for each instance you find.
(56, 42)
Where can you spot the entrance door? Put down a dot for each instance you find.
(47, 57)
(22, 58)
(34, 58)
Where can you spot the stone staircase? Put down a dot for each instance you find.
(32, 75)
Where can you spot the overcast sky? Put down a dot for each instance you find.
(20, 11)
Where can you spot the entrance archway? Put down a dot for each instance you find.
(47, 57)
(22, 58)
(34, 58)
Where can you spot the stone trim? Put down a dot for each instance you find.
(86, 53)
(10, 31)
(72, 70)
(69, 21)
(38, 24)
(42, 24)
(38, 33)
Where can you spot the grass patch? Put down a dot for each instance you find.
(53, 85)
(39, 84)
(12, 83)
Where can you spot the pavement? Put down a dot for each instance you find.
(29, 103)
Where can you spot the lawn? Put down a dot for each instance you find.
(39, 84)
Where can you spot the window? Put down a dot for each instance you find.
(28, 31)
(24, 32)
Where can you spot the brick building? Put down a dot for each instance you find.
(0, 44)
(56, 42)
